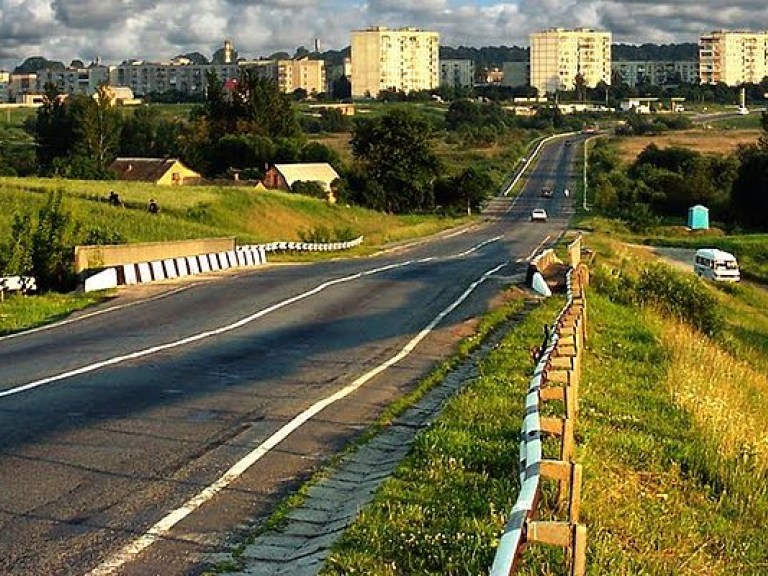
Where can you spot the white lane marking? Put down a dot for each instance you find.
(533, 253)
(92, 314)
(477, 247)
(164, 525)
(210, 333)
(195, 337)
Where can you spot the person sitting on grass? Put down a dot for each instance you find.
(152, 206)
(114, 200)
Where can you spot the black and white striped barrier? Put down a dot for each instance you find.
(172, 268)
(22, 284)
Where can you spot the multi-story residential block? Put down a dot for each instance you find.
(733, 57)
(457, 73)
(159, 77)
(516, 73)
(20, 85)
(404, 59)
(558, 56)
(657, 72)
(301, 73)
(5, 81)
(76, 80)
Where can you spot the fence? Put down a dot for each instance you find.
(22, 284)
(555, 378)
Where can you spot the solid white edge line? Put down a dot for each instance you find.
(92, 314)
(533, 253)
(165, 524)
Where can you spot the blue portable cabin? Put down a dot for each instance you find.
(698, 217)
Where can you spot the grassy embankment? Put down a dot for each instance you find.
(193, 212)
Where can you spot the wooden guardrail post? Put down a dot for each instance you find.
(559, 363)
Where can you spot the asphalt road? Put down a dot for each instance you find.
(117, 427)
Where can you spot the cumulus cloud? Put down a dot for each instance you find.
(115, 30)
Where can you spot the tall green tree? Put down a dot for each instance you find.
(466, 192)
(749, 193)
(97, 125)
(396, 151)
(266, 110)
(53, 133)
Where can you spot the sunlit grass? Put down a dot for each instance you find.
(666, 481)
(19, 312)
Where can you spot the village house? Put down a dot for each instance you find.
(161, 171)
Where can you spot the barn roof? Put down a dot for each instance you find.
(308, 172)
(142, 169)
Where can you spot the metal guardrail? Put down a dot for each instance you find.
(305, 246)
(555, 377)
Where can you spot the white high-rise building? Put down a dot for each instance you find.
(404, 59)
(733, 57)
(558, 56)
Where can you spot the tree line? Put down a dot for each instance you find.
(666, 182)
(243, 129)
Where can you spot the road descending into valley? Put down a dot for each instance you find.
(135, 436)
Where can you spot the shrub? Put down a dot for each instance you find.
(683, 296)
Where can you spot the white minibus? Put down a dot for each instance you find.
(714, 264)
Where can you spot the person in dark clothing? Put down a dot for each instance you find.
(114, 200)
(152, 206)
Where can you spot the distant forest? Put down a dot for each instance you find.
(629, 52)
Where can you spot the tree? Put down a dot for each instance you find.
(37, 63)
(466, 192)
(53, 129)
(259, 102)
(749, 194)
(341, 88)
(396, 151)
(580, 85)
(97, 125)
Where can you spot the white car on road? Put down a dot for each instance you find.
(539, 215)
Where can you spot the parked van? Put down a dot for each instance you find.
(714, 264)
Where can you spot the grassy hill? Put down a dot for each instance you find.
(206, 211)
(187, 213)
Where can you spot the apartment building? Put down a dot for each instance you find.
(157, 77)
(457, 73)
(301, 73)
(656, 72)
(733, 57)
(5, 81)
(396, 59)
(75, 80)
(558, 55)
(21, 85)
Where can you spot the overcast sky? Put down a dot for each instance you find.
(115, 30)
